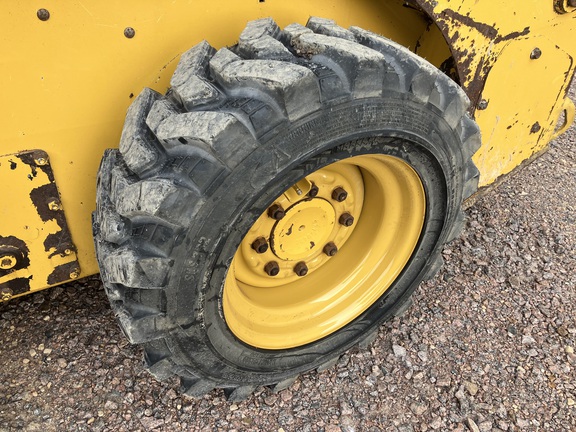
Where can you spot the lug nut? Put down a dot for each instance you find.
(330, 249)
(301, 269)
(272, 268)
(339, 194)
(346, 219)
(260, 245)
(276, 212)
(313, 192)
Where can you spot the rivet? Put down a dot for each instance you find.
(7, 262)
(301, 269)
(260, 245)
(276, 212)
(330, 249)
(75, 274)
(483, 104)
(346, 219)
(272, 268)
(536, 53)
(43, 14)
(6, 294)
(54, 205)
(129, 32)
(339, 194)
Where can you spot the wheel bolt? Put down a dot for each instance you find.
(260, 245)
(339, 194)
(301, 269)
(276, 212)
(313, 191)
(272, 268)
(346, 219)
(330, 249)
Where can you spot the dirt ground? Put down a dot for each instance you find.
(487, 346)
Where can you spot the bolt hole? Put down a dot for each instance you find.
(302, 228)
(183, 140)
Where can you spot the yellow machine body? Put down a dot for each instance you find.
(70, 70)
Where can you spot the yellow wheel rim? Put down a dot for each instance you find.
(324, 252)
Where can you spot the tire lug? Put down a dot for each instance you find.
(313, 192)
(301, 269)
(330, 249)
(276, 212)
(346, 219)
(272, 268)
(339, 194)
(260, 245)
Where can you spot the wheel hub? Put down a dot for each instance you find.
(304, 230)
(324, 251)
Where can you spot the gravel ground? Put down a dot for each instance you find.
(488, 345)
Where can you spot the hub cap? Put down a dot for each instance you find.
(369, 208)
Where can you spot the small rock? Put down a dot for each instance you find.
(471, 387)
(25, 361)
(528, 340)
(485, 426)
(472, 425)
(62, 363)
(418, 408)
(233, 407)
(32, 353)
(47, 351)
(90, 420)
(570, 402)
(562, 331)
(399, 351)
(109, 405)
(569, 350)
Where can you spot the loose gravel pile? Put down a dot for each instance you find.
(487, 346)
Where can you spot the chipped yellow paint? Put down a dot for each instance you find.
(35, 247)
(514, 61)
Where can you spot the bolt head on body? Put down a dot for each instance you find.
(276, 212)
(272, 268)
(301, 269)
(536, 53)
(43, 14)
(7, 262)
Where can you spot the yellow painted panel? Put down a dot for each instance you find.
(518, 121)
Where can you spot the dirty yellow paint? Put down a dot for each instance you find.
(514, 61)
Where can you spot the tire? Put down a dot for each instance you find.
(192, 187)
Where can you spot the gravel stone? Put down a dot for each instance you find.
(489, 343)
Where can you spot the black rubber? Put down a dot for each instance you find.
(196, 167)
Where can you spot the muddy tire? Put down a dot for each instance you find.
(188, 196)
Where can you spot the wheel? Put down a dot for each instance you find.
(282, 200)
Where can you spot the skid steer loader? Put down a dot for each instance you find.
(262, 183)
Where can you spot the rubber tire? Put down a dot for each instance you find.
(196, 167)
